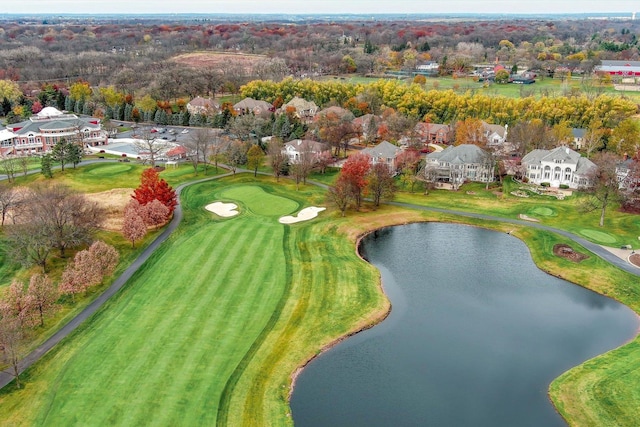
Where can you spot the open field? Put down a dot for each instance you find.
(210, 330)
(542, 87)
(219, 60)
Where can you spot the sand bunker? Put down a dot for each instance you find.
(304, 215)
(225, 210)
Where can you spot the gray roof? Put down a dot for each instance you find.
(562, 154)
(460, 154)
(385, 149)
(251, 104)
(578, 132)
(301, 104)
(67, 121)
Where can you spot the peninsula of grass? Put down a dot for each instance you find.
(212, 327)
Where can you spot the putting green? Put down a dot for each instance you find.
(258, 201)
(542, 211)
(110, 169)
(598, 236)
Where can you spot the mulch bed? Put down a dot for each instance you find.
(635, 259)
(567, 252)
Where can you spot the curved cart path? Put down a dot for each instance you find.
(6, 376)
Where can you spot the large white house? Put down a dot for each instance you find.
(560, 166)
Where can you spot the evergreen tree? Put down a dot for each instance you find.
(45, 165)
(79, 106)
(128, 112)
(186, 117)
(68, 103)
(60, 152)
(75, 154)
(6, 106)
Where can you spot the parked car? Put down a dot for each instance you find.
(185, 131)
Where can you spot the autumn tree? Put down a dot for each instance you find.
(43, 295)
(255, 157)
(16, 303)
(470, 131)
(155, 213)
(79, 275)
(354, 174)
(105, 256)
(336, 130)
(236, 155)
(625, 137)
(340, 195)
(277, 157)
(133, 226)
(593, 139)
(12, 340)
(152, 187)
(603, 185)
(380, 183)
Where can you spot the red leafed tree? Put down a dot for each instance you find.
(43, 295)
(16, 303)
(354, 174)
(155, 213)
(409, 159)
(80, 275)
(105, 256)
(152, 187)
(133, 227)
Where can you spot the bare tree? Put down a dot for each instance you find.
(380, 183)
(9, 167)
(9, 199)
(216, 149)
(43, 294)
(236, 155)
(149, 147)
(54, 217)
(197, 146)
(604, 186)
(277, 157)
(304, 164)
(340, 195)
(12, 343)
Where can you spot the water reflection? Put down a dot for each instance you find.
(476, 334)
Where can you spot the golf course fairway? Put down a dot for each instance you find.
(210, 329)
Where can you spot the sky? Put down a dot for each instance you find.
(319, 6)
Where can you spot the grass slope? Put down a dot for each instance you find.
(216, 309)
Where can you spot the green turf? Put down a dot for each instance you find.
(542, 211)
(212, 311)
(598, 236)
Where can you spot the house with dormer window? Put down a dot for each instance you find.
(560, 166)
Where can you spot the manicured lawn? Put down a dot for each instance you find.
(225, 303)
(211, 328)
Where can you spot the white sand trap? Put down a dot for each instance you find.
(304, 215)
(225, 210)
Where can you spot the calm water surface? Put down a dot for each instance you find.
(475, 336)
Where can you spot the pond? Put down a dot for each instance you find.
(476, 334)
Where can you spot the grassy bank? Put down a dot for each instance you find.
(211, 328)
